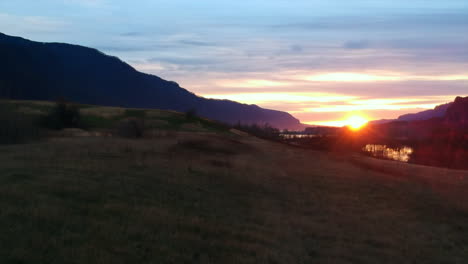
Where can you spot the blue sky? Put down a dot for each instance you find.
(319, 60)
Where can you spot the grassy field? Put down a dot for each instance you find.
(198, 194)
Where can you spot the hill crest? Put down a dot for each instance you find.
(46, 71)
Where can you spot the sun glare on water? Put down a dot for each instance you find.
(356, 122)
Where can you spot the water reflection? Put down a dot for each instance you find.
(382, 151)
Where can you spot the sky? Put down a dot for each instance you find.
(321, 61)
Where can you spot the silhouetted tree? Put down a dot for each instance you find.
(63, 115)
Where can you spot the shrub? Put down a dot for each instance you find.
(63, 115)
(131, 128)
(191, 114)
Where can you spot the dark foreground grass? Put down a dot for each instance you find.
(178, 200)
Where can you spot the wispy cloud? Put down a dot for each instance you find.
(28, 24)
(90, 3)
(378, 57)
(359, 23)
(132, 34)
(357, 44)
(197, 43)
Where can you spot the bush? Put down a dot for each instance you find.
(17, 127)
(131, 128)
(63, 115)
(191, 114)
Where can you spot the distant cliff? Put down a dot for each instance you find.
(438, 111)
(458, 112)
(437, 141)
(46, 71)
(454, 121)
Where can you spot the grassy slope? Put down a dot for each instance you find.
(214, 197)
(105, 118)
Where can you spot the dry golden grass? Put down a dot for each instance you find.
(33, 102)
(106, 112)
(187, 197)
(155, 113)
(193, 191)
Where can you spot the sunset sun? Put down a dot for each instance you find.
(356, 122)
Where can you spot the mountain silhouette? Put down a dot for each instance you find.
(457, 114)
(437, 141)
(46, 71)
(438, 112)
